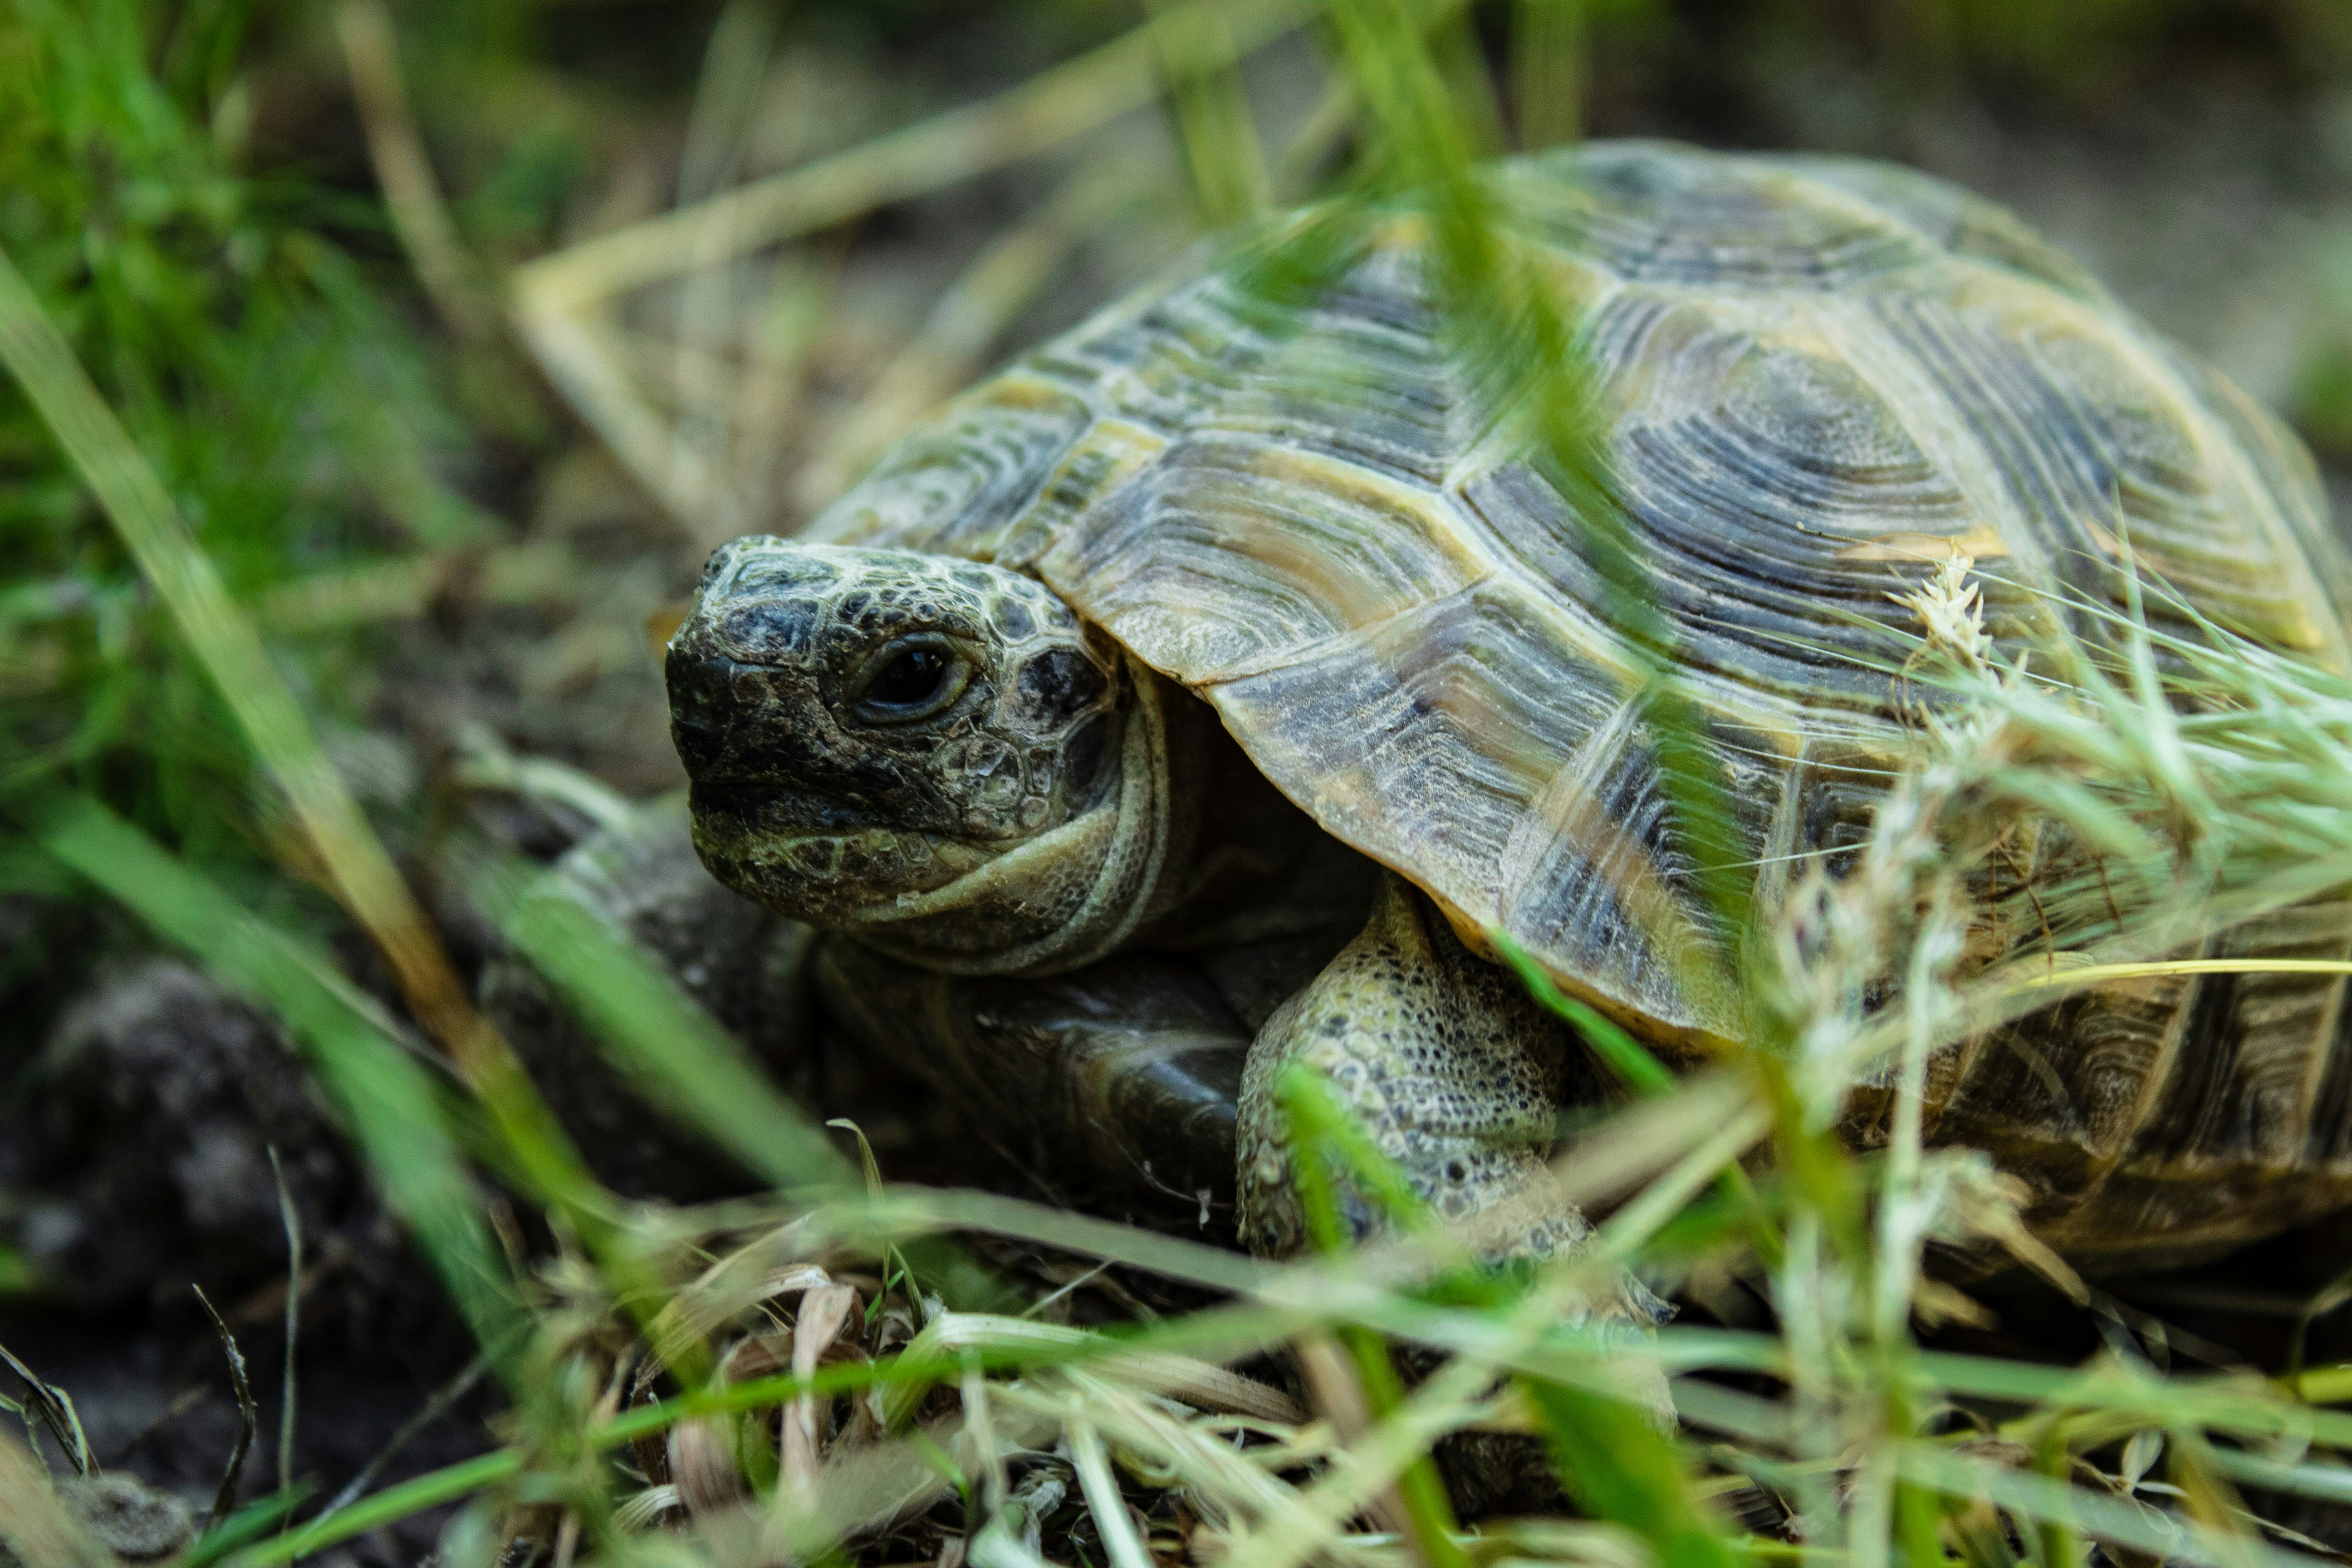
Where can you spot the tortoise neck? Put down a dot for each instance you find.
(1069, 896)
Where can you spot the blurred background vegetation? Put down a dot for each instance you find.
(385, 297)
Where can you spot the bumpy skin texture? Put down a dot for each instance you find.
(1455, 1068)
(1817, 378)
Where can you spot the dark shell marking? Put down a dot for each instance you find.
(1817, 369)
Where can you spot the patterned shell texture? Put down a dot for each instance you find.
(1816, 373)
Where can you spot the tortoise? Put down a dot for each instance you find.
(1206, 690)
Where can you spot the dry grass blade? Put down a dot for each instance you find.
(249, 1417)
(2060, 972)
(1336, 1389)
(1105, 1501)
(1009, 1538)
(399, 588)
(411, 193)
(734, 64)
(1664, 1197)
(1227, 1479)
(1617, 1157)
(646, 1509)
(2108, 1518)
(1042, 112)
(728, 1289)
(1009, 273)
(586, 356)
(290, 1221)
(824, 1312)
(869, 1488)
(1196, 1383)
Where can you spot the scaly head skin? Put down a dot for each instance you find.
(933, 753)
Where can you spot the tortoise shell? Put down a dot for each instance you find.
(1818, 376)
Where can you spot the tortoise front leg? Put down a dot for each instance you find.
(1113, 1086)
(1458, 1076)
(1456, 1072)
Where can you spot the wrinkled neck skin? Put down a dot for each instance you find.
(1070, 895)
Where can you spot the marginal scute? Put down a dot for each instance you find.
(1160, 368)
(2280, 473)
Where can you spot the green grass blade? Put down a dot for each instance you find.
(1621, 1467)
(1547, 40)
(1324, 1142)
(247, 1523)
(1508, 322)
(223, 640)
(1624, 1055)
(671, 1049)
(1221, 154)
(387, 1507)
(1325, 1134)
(2043, 1499)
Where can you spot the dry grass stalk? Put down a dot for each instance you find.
(824, 1312)
(1041, 113)
(412, 193)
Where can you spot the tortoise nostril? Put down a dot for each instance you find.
(697, 687)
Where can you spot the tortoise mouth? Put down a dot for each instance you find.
(813, 857)
(769, 809)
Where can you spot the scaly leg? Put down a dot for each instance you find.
(1113, 1085)
(1457, 1073)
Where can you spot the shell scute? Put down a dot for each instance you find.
(2091, 444)
(1163, 366)
(1654, 215)
(1382, 399)
(1956, 221)
(1231, 551)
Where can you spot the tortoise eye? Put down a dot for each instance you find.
(911, 679)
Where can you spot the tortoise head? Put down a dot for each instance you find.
(935, 755)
